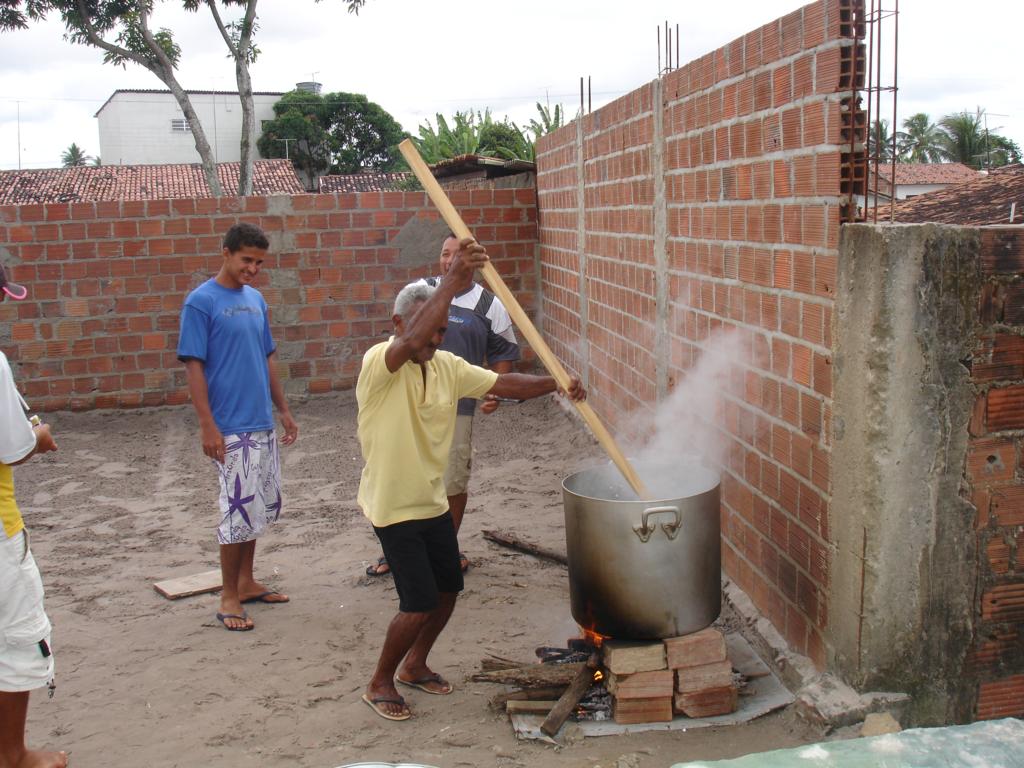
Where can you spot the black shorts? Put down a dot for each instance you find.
(424, 559)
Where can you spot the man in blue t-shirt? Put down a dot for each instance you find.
(480, 332)
(229, 357)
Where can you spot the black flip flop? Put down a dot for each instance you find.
(371, 570)
(221, 617)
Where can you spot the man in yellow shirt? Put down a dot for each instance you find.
(26, 661)
(407, 394)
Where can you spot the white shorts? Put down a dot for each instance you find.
(26, 661)
(250, 486)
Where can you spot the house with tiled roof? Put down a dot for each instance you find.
(140, 182)
(368, 181)
(993, 198)
(143, 126)
(462, 172)
(919, 178)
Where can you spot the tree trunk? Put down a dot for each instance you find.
(202, 145)
(161, 66)
(247, 145)
(242, 55)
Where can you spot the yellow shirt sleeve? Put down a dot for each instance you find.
(472, 380)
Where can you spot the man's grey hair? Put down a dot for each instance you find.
(410, 297)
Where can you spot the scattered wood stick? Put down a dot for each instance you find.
(492, 663)
(568, 701)
(498, 701)
(539, 707)
(532, 675)
(514, 542)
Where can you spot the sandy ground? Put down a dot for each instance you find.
(129, 500)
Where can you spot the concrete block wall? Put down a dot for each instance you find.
(711, 199)
(107, 280)
(994, 477)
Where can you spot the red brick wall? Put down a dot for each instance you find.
(752, 144)
(995, 477)
(107, 281)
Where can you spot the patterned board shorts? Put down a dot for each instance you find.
(250, 486)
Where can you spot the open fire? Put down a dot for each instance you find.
(631, 681)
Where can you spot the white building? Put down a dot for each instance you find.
(146, 127)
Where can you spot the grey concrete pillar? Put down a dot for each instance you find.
(903, 562)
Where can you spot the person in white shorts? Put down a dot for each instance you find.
(26, 658)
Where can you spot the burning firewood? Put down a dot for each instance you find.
(567, 703)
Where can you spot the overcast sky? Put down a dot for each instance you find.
(416, 58)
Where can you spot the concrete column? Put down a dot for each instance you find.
(903, 562)
(581, 250)
(661, 340)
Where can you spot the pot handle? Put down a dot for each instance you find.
(645, 529)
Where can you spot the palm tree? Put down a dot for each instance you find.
(963, 138)
(966, 139)
(73, 157)
(880, 140)
(920, 140)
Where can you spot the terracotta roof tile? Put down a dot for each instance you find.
(983, 201)
(928, 173)
(139, 182)
(364, 182)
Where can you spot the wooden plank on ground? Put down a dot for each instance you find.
(186, 586)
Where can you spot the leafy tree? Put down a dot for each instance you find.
(336, 133)
(504, 140)
(476, 133)
(363, 135)
(920, 141)
(965, 139)
(297, 133)
(462, 137)
(121, 28)
(74, 157)
(549, 121)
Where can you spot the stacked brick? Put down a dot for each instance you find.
(995, 476)
(652, 682)
(107, 280)
(711, 201)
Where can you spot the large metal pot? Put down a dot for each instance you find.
(643, 570)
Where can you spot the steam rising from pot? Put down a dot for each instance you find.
(684, 437)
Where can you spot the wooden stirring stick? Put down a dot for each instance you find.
(521, 319)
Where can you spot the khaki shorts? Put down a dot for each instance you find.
(25, 659)
(460, 457)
